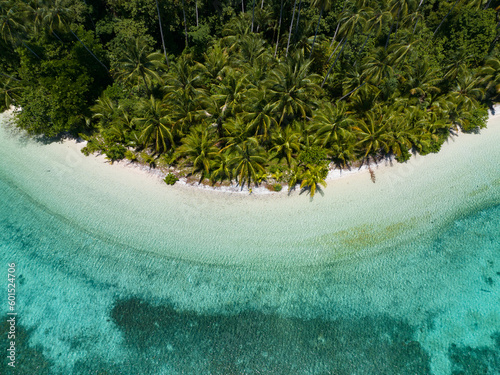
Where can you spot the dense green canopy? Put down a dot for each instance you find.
(254, 91)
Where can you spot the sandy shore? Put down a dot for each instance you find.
(127, 203)
(333, 174)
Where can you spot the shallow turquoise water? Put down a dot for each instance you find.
(90, 304)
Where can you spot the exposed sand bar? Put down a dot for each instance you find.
(352, 218)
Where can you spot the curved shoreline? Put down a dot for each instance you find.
(354, 216)
(333, 173)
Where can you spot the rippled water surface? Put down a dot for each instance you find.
(119, 274)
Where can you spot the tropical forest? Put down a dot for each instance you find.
(251, 92)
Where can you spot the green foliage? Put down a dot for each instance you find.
(475, 120)
(472, 31)
(235, 104)
(170, 179)
(148, 159)
(115, 152)
(92, 147)
(277, 187)
(313, 155)
(200, 38)
(129, 155)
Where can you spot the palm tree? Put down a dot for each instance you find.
(258, 112)
(248, 161)
(313, 177)
(232, 92)
(10, 90)
(135, 64)
(104, 110)
(251, 49)
(332, 124)
(185, 110)
(221, 169)
(198, 149)
(491, 74)
(293, 89)
(286, 143)
(422, 80)
(238, 132)
(157, 129)
(467, 91)
(377, 66)
(184, 78)
(372, 134)
(11, 20)
(215, 64)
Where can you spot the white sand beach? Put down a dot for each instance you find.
(129, 204)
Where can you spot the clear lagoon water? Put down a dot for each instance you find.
(120, 274)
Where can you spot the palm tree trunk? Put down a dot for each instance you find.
(185, 23)
(416, 22)
(447, 14)
(196, 7)
(316, 32)
(487, 5)
(146, 84)
(335, 50)
(364, 44)
(57, 36)
(335, 34)
(350, 92)
(242, 6)
(329, 70)
(291, 26)
(161, 33)
(298, 17)
(279, 28)
(390, 30)
(338, 25)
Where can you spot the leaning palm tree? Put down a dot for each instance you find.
(279, 30)
(248, 162)
(135, 64)
(157, 129)
(313, 177)
(290, 30)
